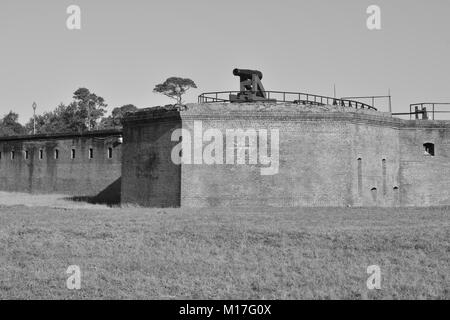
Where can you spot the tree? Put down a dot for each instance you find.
(119, 113)
(84, 113)
(91, 107)
(10, 126)
(115, 119)
(175, 87)
(64, 119)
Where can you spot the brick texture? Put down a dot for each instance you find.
(328, 156)
(81, 176)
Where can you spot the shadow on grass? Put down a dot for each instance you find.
(110, 196)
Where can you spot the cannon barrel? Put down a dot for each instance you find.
(247, 73)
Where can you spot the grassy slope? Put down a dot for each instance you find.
(280, 254)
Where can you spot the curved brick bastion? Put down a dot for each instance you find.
(327, 156)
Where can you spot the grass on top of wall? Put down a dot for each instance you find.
(227, 254)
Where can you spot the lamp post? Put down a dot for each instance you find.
(88, 116)
(34, 117)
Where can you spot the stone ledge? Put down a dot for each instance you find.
(277, 112)
(87, 134)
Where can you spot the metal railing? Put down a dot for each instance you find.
(425, 110)
(282, 96)
(379, 102)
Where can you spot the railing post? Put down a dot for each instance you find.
(424, 113)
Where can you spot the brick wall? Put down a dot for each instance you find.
(328, 156)
(425, 179)
(97, 178)
(319, 152)
(149, 177)
(375, 163)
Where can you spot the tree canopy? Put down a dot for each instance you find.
(175, 87)
(10, 126)
(115, 119)
(82, 114)
(90, 107)
(62, 119)
(85, 112)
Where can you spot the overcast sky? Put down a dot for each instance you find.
(126, 47)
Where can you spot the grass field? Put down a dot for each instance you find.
(138, 253)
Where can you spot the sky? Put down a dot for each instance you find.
(125, 48)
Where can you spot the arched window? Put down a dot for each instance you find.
(428, 149)
(373, 191)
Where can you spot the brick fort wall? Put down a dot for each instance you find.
(328, 156)
(84, 165)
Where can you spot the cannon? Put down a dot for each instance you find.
(251, 88)
(247, 74)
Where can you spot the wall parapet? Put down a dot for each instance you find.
(82, 165)
(87, 134)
